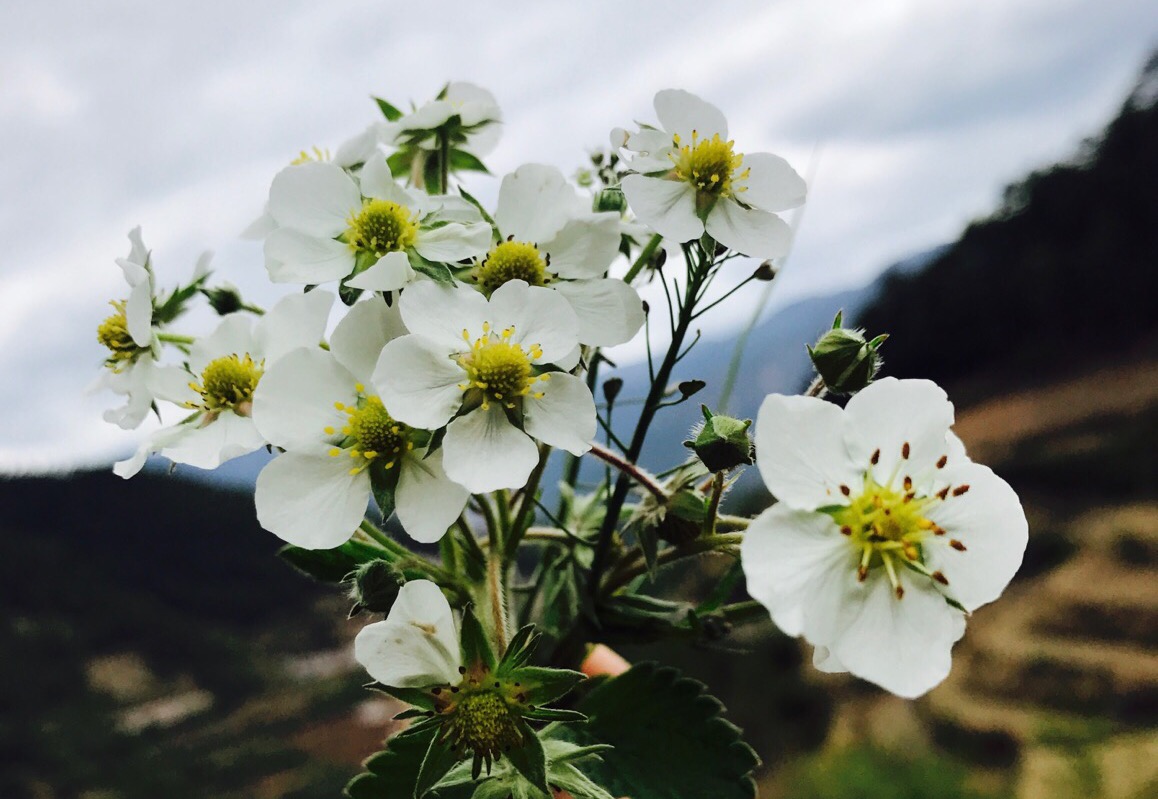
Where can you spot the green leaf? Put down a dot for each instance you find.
(520, 649)
(473, 640)
(530, 760)
(400, 162)
(541, 685)
(440, 273)
(670, 740)
(554, 714)
(486, 216)
(577, 783)
(439, 760)
(411, 696)
(393, 772)
(329, 565)
(462, 161)
(723, 590)
(390, 112)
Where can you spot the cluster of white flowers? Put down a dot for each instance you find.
(456, 363)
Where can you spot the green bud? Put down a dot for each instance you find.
(611, 200)
(225, 299)
(844, 359)
(722, 442)
(683, 518)
(376, 586)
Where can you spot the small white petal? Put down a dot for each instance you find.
(609, 311)
(295, 257)
(772, 184)
(316, 198)
(170, 383)
(585, 247)
(756, 233)
(535, 201)
(311, 501)
(379, 183)
(485, 452)
(297, 320)
(139, 314)
(418, 383)
(454, 241)
(360, 148)
(294, 401)
(207, 445)
(801, 453)
(682, 112)
(440, 313)
(427, 501)
(358, 339)
(538, 315)
(891, 413)
(564, 416)
(417, 645)
(667, 206)
(232, 336)
(391, 272)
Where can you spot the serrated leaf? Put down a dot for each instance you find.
(391, 113)
(669, 737)
(541, 685)
(473, 641)
(530, 760)
(439, 760)
(393, 772)
(329, 565)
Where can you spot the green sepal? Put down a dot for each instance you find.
(462, 161)
(669, 737)
(520, 649)
(530, 760)
(391, 113)
(400, 162)
(432, 173)
(722, 591)
(348, 294)
(439, 273)
(649, 545)
(483, 211)
(382, 487)
(554, 714)
(329, 565)
(411, 696)
(412, 713)
(473, 642)
(439, 760)
(541, 685)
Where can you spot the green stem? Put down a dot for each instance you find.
(714, 504)
(733, 522)
(443, 161)
(525, 514)
(497, 593)
(644, 256)
(708, 543)
(631, 470)
(173, 338)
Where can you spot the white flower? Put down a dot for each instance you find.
(477, 130)
(130, 335)
(478, 365)
(691, 180)
(551, 238)
(328, 227)
(337, 437)
(417, 645)
(224, 369)
(885, 534)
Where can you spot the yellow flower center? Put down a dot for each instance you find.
(113, 333)
(710, 165)
(370, 433)
(486, 725)
(512, 260)
(315, 153)
(497, 369)
(889, 524)
(228, 383)
(381, 227)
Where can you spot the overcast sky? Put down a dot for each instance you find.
(176, 117)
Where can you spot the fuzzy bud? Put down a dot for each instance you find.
(225, 299)
(376, 586)
(611, 200)
(844, 359)
(722, 443)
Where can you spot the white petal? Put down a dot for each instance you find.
(485, 452)
(360, 148)
(891, 413)
(139, 314)
(440, 313)
(427, 501)
(682, 112)
(667, 206)
(585, 247)
(418, 383)
(989, 521)
(454, 241)
(170, 383)
(379, 183)
(564, 416)
(311, 501)
(359, 338)
(391, 272)
(210, 444)
(295, 257)
(902, 645)
(758, 234)
(138, 252)
(785, 554)
(538, 315)
(824, 660)
(297, 320)
(160, 438)
(609, 311)
(417, 645)
(261, 227)
(316, 198)
(535, 201)
(801, 454)
(294, 401)
(772, 184)
(232, 336)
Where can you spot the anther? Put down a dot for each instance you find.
(846, 530)
(905, 450)
(908, 483)
(875, 459)
(942, 461)
(940, 577)
(845, 489)
(961, 489)
(944, 492)
(957, 545)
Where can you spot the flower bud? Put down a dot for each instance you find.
(376, 586)
(611, 200)
(722, 442)
(225, 299)
(844, 359)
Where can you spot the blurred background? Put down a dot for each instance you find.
(984, 187)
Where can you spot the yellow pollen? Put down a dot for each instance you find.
(228, 383)
(499, 370)
(711, 165)
(512, 260)
(381, 227)
(113, 333)
(485, 725)
(370, 433)
(314, 154)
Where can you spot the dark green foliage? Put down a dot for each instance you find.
(1064, 269)
(875, 774)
